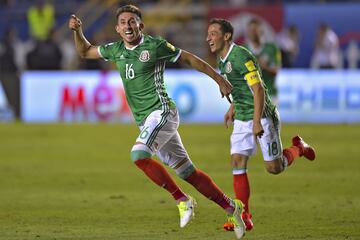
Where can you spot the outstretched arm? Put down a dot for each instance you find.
(83, 47)
(200, 65)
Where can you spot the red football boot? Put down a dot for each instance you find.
(305, 149)
(228, 226)
(247, 220)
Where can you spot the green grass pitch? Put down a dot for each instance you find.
(78, 182)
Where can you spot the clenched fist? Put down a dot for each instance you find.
(74, 23)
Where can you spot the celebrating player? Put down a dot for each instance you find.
(255, 117)
(140, 59)
(267, 54)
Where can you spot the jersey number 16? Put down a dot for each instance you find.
(129, 71)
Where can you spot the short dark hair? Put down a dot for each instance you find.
(128, 8)
(225, 25)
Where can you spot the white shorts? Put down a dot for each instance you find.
(243, 141)
(159, 133)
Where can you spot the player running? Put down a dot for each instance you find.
(140, 60)
(255, 117)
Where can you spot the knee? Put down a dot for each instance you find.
(274, 169)
(239, 161)
(184, 169)
(140, 152)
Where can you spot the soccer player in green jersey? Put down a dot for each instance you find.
(267, 54)
(140, 60)
(254, 115)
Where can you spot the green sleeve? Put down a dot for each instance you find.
(248, 67)
(166, 51)
(107, 51)
(247, 63)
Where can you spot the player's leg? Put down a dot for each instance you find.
(271, 146)
(241, 182)
(243, 145)
(305, 149)
(175, 156)
(299, 148)
(143, 150)
(277, 159)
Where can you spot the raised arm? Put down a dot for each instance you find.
(83, 47)
(202, 66)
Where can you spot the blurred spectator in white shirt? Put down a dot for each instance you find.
(288, 41)
(327, 52)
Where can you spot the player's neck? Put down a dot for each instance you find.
(223, 53)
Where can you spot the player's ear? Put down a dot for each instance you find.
(227, 36)
(117, 29)
(141, 26)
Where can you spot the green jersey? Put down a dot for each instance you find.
(142, 72)
(242, 70)
(270, 54)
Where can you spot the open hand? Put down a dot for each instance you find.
(229, 118)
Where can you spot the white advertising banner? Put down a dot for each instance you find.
(99, 96)
(319, 96)
(93, 96)
(6, 113)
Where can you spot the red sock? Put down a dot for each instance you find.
(242, 189)
(291, 153)
(208, 188)
(158, 174)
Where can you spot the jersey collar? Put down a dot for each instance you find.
(228, 53)
(141, 41)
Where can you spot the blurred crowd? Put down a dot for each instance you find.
(50, 47)
(34, 35)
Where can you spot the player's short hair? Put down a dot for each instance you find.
(128, 8)
(225, 25)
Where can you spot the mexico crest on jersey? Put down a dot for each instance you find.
(228, 67)
(144, 56)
